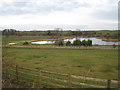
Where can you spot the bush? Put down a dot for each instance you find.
(77, 43)
(84, 43)
(89, 43)
(25, 43)
(60, 43)
(114, 46)
(68, 43)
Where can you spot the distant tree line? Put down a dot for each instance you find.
(58, 32)
(76, 42)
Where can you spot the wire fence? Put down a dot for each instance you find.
(26, 77)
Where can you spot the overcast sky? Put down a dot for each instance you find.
(66, 14)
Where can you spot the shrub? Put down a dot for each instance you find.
(68, 43)
(77, 43)
(89, 43)
(84, 43)
(60, 43)
(114, 46)
(25, 43)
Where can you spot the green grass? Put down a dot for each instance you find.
(5, 40)
(108, 31)
(109, 46)
(103, 63)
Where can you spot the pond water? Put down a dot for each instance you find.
(11, 43)
(43, 42)
(94, 41)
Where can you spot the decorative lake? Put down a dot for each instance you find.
(95, 41)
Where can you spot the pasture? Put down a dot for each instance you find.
(101, 63)
(108, 31)
(5, 40)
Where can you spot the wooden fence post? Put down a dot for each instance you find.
(108, 84)
(69, 81)
(33, 85)
(40, 79)
(17, 74)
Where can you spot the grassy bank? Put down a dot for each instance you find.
(102, 63)
(5, 40)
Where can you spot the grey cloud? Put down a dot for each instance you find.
(64, 27)
(106, 14)
(17, 8)
(20, 4)
(113, 1)
(109, 13)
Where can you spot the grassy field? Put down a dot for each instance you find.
(5, 40)
(108, 31)
(102, 63)
(109, 46)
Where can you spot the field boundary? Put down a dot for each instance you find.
(56, 47)
(69, 82)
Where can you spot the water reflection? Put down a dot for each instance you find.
(94, 41)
